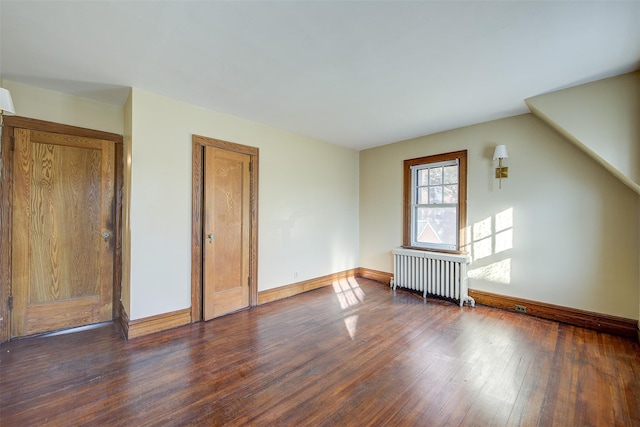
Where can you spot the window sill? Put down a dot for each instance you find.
(418, 252)
(444, 251)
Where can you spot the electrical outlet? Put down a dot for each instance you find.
(521, 308)
(295, 274)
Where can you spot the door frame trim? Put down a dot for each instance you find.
(197, 197)
(6, 204)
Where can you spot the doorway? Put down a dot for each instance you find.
(224, 228)
(60, 199)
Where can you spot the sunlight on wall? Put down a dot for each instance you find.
(491, 236)
(349, 294)
(504, 231)
(482, 239)
(498, 272)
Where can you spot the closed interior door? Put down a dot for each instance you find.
(226, 245)
(62, 221)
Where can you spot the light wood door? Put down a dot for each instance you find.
(62, 245)
(226, 245)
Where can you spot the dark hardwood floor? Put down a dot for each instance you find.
(353, 354)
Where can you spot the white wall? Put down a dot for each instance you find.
(308, 202)
(574, 236)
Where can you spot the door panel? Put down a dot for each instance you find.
(62, 266)
(226, 232)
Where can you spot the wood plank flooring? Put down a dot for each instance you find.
(352, 354)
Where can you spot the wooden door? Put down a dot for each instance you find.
(62, 220)
(226, 227)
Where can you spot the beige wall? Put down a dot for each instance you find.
(308, 201)
(58, 107)
(574, 236)
(126, 206)
(575, 228)
(601, 117)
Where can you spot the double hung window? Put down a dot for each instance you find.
(435, 201)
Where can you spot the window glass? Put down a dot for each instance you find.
(435, 195)
(450, 193)
(435, 176)
(423, 177)
(436, 225)
(451, 174)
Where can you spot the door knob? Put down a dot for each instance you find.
(106, 235)
(211, 236)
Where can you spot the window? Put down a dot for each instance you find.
(435, 196)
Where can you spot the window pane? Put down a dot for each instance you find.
(451, 174)
(450, 194)
(423, 177)
(436, 225)
(423, 196)
(435, 195)
(435, 176)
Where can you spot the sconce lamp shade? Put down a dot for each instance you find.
(500, 153)
(6, 104)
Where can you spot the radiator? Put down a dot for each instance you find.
(432, 273)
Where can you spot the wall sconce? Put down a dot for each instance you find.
(499, 154)
(6, 104)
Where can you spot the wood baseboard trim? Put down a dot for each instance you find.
(586, 319)
(378, 276)
(281, 292)
(161, 322)
(123, 320)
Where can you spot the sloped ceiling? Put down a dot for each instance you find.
(603, 119)
(357, 74)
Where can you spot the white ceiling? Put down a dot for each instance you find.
(353, 73)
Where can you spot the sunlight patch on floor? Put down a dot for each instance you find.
(349, 294)
(351, 323)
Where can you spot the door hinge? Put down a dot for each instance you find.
(10, 302)
(249, 281)
(12, 143)
(250, 166)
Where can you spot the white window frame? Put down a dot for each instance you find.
(415, 206)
